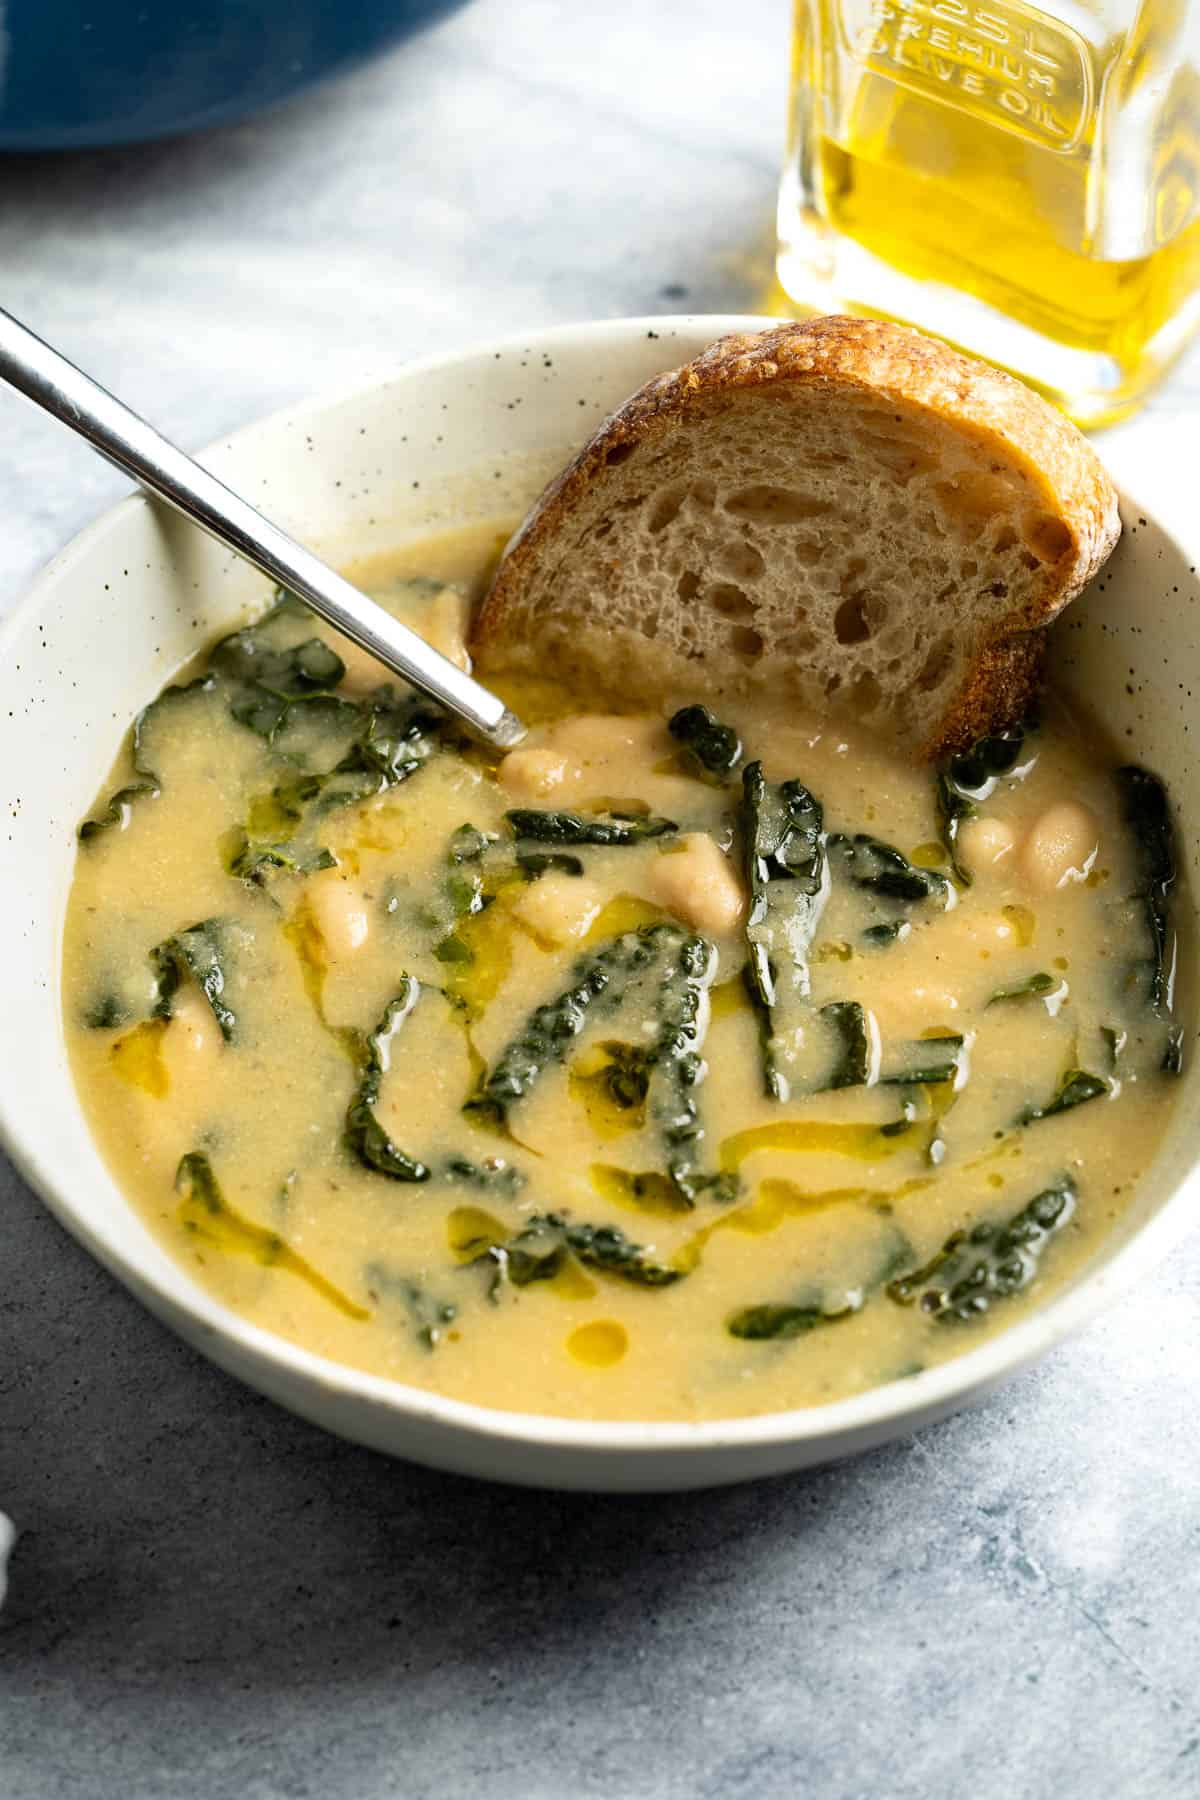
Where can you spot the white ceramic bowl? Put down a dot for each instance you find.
(113, 617)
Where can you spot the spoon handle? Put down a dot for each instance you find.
(59, 388)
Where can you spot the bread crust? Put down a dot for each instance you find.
(915, 373)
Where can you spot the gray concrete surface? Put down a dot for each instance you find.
(209, 1599)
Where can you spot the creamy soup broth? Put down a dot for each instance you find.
(367, 959)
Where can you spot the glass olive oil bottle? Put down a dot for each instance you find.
(1024, 181)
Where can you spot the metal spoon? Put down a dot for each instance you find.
(59, 388)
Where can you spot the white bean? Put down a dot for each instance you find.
(558, 908)
(340, 914)
(193, 1038)
(1060, 846)
(700, 885)
(591, 757)
(532, 774)
(984, 841)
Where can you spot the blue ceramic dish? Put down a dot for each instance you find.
(77, 75)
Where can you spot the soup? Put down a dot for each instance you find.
(671, 1067)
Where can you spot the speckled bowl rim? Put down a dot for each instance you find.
(840, 1425)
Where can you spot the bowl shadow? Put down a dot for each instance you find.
(176, 1526)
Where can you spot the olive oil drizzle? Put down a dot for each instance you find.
(208, 1219)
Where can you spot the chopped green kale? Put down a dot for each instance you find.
(1148, 816)
(893, 931)
(269, 678)
(201, 952)
(598, 984)
(542, 1246)
(256, 863)
(1147, 813)
(976, 1267)
(106, 1012)
(783, 849)
(771, 1321)
(548, 862)
(848, 1021)
(883, 1256)
(492, 1175)
(147, 785)
(968, 779)
(926, 1062)
(571, 829)
(624, 1076)
(364, 1135)
(713, 750)
(1035, 986)
(883, 870)
(391, 740)
(465, 888)
(429, 1316)
(1076, 1087)
(678, 1068)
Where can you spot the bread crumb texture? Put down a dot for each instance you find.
(841, 510)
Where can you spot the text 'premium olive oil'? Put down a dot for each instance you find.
(1024, 181)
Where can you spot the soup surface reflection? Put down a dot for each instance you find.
(671, 1068)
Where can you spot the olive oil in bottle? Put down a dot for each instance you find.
(1023, 181)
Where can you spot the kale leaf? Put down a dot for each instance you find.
(1076, 1087)
(883, 870)
(547, 862)
(492, 1175)
(256, 863)
(927, 1062)
(770, 1321)
(268, 678)
(1034, 986)
(542, 1246)
(1148, 816)
(199, 951)
(598, 984)
(429, 1316)
(893, 931)
(968, 779)
(570, 829)
(783, 849)
(988, 1262)
(713, 750)
(848, 1021)
(148, 785)
(677, 1066)
(392, 739)
(363, 1133)
(465, 888)
(1147, 813)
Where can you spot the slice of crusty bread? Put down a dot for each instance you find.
(842, 510)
